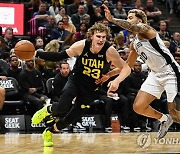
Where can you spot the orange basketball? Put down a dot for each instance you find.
(24, 50)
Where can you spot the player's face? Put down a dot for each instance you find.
(98, 39)
(132, 18)
(64, 70)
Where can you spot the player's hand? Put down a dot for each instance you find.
(107, 13)
(113, 86)
(3, 77)
(103, 79)
(111, 94)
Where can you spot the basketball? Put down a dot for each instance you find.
(24, 50)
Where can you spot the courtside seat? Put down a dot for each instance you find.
(12, 104)
(50, 87)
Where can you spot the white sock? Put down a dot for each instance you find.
(163, 118)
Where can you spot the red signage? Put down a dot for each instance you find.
(12, 15)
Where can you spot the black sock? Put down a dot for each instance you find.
(49, 109)
(52, 130)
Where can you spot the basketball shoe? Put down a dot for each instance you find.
(164, 126)
(40, 115)
(47, 137)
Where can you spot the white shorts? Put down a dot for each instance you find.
(156, 83)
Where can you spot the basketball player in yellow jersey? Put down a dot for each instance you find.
(165, 71)
(94, 58)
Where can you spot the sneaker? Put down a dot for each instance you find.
(164, 126)
(78, 126)
(137, 129)
(125, 127)
(40, 115)
(108, 128)
(47, 137)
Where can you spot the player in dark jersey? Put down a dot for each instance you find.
(94, 58)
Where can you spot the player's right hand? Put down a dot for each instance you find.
(107, 13)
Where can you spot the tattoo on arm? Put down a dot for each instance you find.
(140, 28)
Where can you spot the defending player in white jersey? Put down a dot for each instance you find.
(165, 72)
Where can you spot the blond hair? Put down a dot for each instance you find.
(139, 14)
(98, 27)
(52, 46)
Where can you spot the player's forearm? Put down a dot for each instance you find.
(52, 56)
(136, 28)
(114, 72)
(123, 23)
(124, 73)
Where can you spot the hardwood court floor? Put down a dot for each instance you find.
(90, 143)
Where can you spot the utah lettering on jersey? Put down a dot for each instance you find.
(93, 67)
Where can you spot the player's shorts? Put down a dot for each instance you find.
(156, 83)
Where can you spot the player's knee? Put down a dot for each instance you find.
(137, 108)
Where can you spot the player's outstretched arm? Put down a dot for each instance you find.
(74, 50)
(137, 28)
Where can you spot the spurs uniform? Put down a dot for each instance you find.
(165, 71)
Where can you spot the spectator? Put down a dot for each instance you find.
(97, 16)
(9, 38)
(32, 87)
(42, 15)
(52, 46)
(177, 49)
(152, 12)
(73, 7)
(138, 5)
(163, 32)
(177, 57)
(54, 8)
(68, 26)
(70, 39)
(59, 32)
(119, 11)
(3, 46)
(40, 65)
(175, 42)
(119, 41)
(77, 17)
(60, 80)
(81, 34)
(61, 14)
(14, 70)
(86, 19)
(51, 24)
(33, 5)
(39, 43)
(89, 7)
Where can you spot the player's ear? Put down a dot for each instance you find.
(140, 20)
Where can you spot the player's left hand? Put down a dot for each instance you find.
(113, 86)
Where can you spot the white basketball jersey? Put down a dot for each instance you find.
(153, 52)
